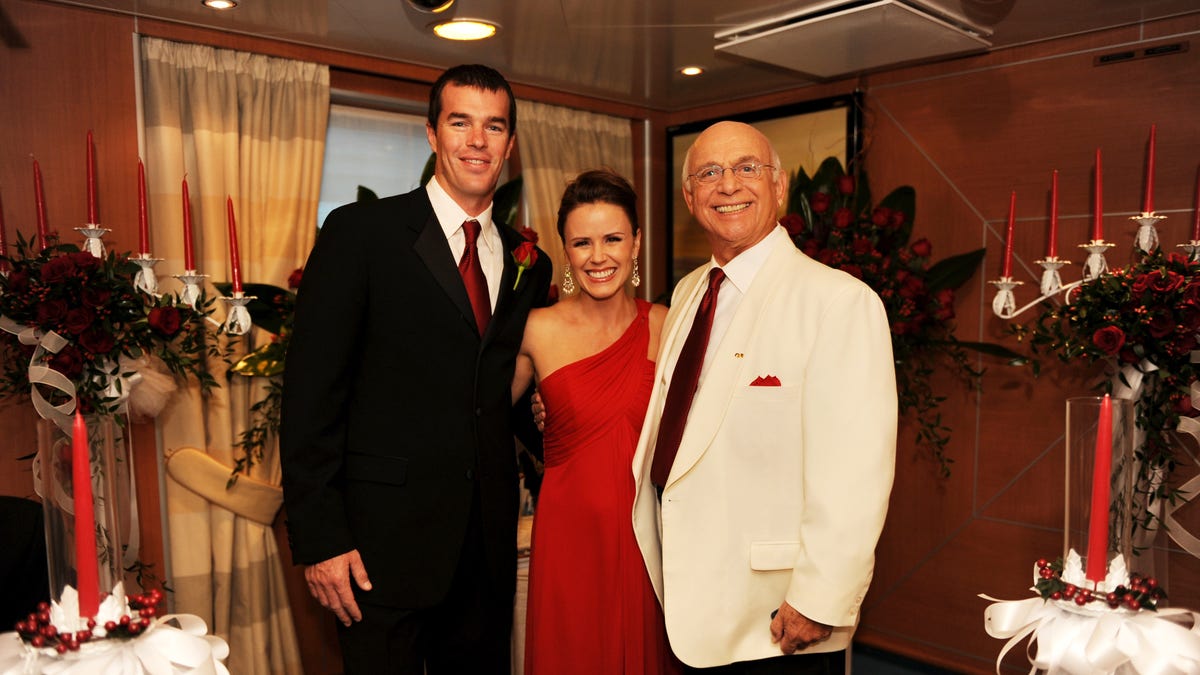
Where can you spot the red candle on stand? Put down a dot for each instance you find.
(1006, 270)
(235, 265)
(91, 182)
(1098, 221)
(1196, 222)
(143, 223)
(41, 206)
(189, 262)
(1149, 205)
(3, 238)
(1052, 247)
(1097, 541)
(87, 574)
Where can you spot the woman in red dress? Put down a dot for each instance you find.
(591, 607)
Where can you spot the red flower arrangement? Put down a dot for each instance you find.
(831, 218)
(1144, 317)
(103, 320)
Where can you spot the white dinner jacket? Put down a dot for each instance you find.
(776, 492)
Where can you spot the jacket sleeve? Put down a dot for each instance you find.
(322, 362)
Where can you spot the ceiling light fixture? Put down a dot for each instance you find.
(431, 6)
(465, 29)
(219, 4)
(691, 71)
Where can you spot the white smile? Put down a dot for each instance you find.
(602, 275)
(732, 208)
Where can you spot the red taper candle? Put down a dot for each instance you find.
(1196, 221)
(1097, 541)
(1052, 246)
(87, 574)
(91, 181)
(235, 264)
(143, 222)
(1149, 205)
(189, 262)
(3, 238)
(40, 199)
(1006, 270)
(1098, 218)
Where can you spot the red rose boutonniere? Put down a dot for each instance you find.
(525, 256)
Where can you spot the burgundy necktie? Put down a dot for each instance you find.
(472, 276)
(684, 382)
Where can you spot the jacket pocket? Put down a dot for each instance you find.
(774, 555)
(376, 469)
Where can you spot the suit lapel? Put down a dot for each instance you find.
(509, 240)
(433, 250)
(725, 372)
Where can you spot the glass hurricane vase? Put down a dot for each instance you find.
(111, 466)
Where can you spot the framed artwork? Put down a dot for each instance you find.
(803, 134)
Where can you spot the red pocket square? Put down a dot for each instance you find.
(765, 381)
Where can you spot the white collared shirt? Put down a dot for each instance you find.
(451, 217)
(739, 274)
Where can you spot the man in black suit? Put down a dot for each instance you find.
(399, 470)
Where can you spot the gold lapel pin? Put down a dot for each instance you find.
(738, 355)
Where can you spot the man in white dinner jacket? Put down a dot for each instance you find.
(759, 535)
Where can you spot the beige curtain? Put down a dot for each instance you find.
(558, 143)
(251, 128)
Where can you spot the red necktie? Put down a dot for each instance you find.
(684, 382)
(472, 276)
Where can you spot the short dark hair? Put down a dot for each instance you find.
(478, 77)
(598, 186)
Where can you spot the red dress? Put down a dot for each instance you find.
(591, 607)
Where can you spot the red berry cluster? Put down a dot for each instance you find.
(37, 630)
(1141, 593)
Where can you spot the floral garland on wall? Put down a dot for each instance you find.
(830, 216)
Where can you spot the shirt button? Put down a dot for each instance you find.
(479, 412)
(470, 474)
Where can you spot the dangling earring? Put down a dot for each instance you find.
(635, 278)
(568, 282)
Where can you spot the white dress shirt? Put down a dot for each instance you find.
(451, 217)
(739, 274)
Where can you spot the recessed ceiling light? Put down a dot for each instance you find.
(465, 29)
(691, 70)
(219, 4)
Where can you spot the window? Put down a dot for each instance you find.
(380, 150)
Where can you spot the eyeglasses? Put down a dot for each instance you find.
(744, 171)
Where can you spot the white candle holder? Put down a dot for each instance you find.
(1004, 305)
(92, 242)
(237, 319)
(1096, 264)
(1193, 249)
(1051, 280)
(1147, 234)
(146, 280)
(191, 287)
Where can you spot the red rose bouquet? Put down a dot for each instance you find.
(831, 218)
(82, 318)
(1141, 320)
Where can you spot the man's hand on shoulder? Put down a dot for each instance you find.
(329, 583)
(794, 631)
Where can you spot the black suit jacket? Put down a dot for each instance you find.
(395, 410)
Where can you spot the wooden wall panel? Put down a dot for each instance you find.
(964, 134)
